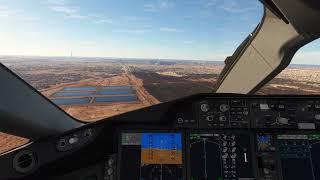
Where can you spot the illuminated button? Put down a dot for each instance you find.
(264, 107)
(73, 140)
(110, 171)
(306, 126)
(281, 107)
(283, 120)
(234, 124)
(110, 162)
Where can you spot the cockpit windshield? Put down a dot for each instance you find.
(96, 59)
(302, 77)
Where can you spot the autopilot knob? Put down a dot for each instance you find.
(224, 107)
(205, 107)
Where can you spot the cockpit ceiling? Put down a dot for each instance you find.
(304, 15)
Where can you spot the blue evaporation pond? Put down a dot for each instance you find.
(116, 92)
(68, 93)
(116, 87)
(80, 88)
(116, 99)
(71, 101)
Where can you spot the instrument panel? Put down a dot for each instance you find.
(201, 137)
(218, 155)
(239, 138)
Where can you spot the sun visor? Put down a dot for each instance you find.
(268, 51)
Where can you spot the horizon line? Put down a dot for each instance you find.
(127, 58)
(134, 58)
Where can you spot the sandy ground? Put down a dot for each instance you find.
(94, 112)
(8, 142)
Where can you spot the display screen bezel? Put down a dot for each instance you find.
(183, 142)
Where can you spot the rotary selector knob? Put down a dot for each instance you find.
(233, 149)
(204, 107)
(224, 143)
(224, 107)
(233, 136)
(233, 156)
(110, 162)
(209, 118)
(225, 156)
(232, 143)
(222, 118)
(225, 149)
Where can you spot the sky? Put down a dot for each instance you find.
(165, 29)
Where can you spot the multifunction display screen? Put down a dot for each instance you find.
(150, 156)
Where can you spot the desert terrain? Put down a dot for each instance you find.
(154, 81)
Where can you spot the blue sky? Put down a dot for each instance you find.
(177, 29)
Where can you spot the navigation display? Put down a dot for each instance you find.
(150, 156)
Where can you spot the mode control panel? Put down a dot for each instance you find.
(222, 113)
(251, 112)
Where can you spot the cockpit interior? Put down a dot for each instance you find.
(229, 134)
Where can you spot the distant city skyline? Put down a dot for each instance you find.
(157, 29)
